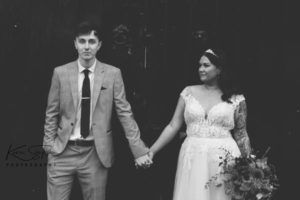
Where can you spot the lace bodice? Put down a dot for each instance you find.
(217, 122)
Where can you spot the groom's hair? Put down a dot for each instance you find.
(86, 27)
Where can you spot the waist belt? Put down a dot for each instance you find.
(84, 143)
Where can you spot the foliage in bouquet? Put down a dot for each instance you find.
(247, 178)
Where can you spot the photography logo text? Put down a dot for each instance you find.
(26, 156)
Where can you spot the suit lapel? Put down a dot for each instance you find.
(74, 83)
(98, 79)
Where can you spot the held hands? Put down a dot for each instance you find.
(144, 161)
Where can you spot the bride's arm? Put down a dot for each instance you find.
(240, 130)
(171, 129)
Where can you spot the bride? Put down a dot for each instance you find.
(216, 120)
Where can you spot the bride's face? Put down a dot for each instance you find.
(208, 72)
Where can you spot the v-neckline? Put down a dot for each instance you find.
(207, 112)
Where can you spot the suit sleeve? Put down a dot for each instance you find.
(52, 113)
(126, 118)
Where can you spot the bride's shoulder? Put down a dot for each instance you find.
(188, 90)
(191, 88)
(236, 99)
(194, 88)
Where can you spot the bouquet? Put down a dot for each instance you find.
(247, 178)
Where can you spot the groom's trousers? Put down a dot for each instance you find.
(76, 161)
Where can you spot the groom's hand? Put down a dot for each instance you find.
(144, 161)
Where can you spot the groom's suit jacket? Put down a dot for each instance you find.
(108, 94)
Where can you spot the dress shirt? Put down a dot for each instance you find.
(76, 132)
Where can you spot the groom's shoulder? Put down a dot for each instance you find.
(109, 68)
(66, 66)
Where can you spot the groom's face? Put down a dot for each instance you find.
(87, 46)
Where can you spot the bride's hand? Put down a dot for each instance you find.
(151, 154)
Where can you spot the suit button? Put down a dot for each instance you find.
(72, 124)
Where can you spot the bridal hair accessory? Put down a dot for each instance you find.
(211, 52)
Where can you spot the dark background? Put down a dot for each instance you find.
(260, 38)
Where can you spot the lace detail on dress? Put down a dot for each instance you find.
(218, 122)
(208, 134)
(185, 93)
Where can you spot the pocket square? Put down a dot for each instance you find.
(103, 88)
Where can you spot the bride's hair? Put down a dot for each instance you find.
(218, 58)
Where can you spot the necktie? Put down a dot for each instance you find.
(85, 105)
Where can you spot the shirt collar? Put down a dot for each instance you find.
(91, 68)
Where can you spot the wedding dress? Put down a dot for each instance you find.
(208, 134)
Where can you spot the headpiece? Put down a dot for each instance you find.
(211, 52)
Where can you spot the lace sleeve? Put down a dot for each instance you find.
(240, 132)
(185, 92)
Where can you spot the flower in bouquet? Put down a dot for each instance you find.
(248, 178)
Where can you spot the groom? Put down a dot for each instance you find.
(77, 133)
